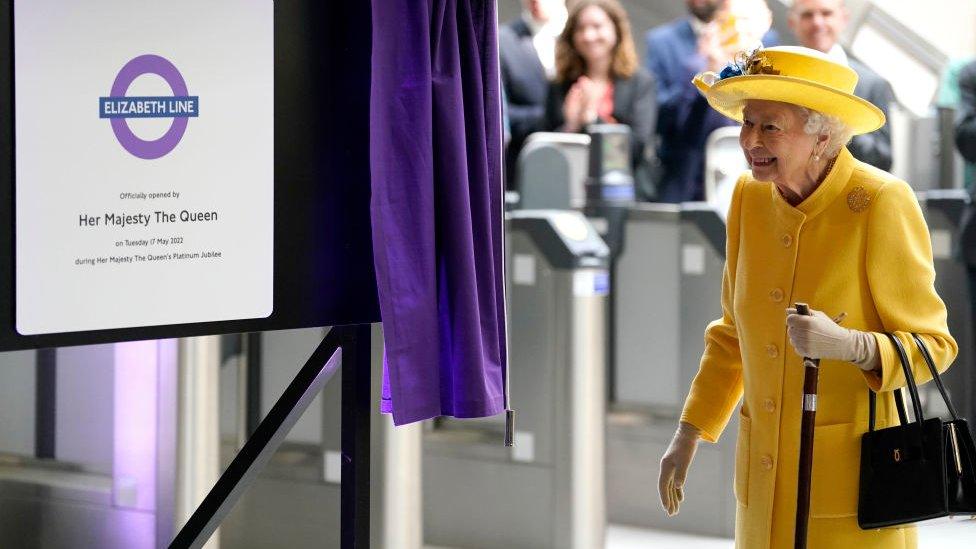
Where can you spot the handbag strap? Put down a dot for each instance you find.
(935, 375)
(899, 406)
(906, 367)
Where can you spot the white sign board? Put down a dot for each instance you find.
(144, 162)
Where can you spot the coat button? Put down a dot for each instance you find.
(767, 463)
(769, 405)
(776, 295)
(787, 240)
(772, 351)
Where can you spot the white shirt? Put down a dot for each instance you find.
(544, 37)
(838, 55)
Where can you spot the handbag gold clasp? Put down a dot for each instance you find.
(897, 454)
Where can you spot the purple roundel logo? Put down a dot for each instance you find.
(118, 107)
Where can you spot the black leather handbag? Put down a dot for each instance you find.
(918, 470)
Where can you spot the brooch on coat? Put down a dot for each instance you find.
(858, 199)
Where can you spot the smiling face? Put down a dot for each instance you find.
(818, 24)
(595, 35)
(774, 143)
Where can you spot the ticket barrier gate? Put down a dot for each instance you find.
(654, 333)
(551, 171)
(547, 491)
(724, 163)
(943, 210)
(668, 278)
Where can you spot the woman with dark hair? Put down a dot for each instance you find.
(598, 80)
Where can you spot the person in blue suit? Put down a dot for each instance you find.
(705, 39)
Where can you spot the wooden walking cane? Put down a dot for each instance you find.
(810, 378)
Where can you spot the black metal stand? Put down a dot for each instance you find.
(253, 416)
(45, 403)
(345, 345)
(354, 496)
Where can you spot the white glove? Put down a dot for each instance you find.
(819, 336)
(674, 466)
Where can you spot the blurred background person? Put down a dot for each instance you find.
(949, 97)
(966, 143)
(704, 40)
(598, 80)
(819, 24)
(527, 53)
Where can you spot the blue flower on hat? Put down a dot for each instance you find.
(729, 71)
(748, 62)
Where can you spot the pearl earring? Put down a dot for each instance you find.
(816, 157)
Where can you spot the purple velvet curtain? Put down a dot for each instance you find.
(435, 158)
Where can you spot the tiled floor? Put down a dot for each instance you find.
(959, 535)
(625, 537)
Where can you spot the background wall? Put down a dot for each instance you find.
(950, 25)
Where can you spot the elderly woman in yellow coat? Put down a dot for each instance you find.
(808, 224)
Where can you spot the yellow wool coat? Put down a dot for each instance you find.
(858, 245)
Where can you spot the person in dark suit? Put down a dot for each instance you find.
(705, 40)
(966, 120)
(526, 50)
(598, 80)
(818, 24)
(966, 143)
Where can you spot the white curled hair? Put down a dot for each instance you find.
(819, 123)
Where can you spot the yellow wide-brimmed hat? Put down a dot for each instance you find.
(790, 74)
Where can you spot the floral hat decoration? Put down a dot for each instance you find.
(790, 74)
